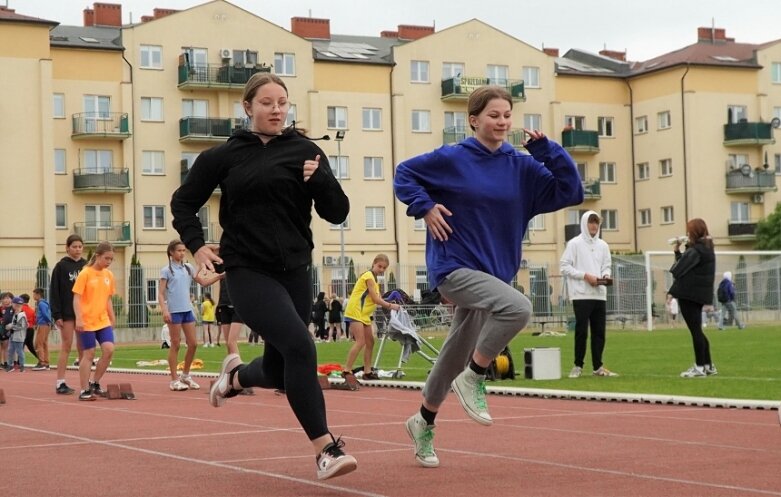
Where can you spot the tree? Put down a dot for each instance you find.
(391, 281)
(769, 231)
(42, 276)
(138, 314)
(351, 278)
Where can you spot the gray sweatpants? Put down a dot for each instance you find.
(489, 313)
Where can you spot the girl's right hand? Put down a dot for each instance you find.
(206, 257)
(167, 317)
(436, 223)
(395, 307)
(79, 325)
(58, 323)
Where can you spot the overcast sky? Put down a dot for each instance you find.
(644, 28)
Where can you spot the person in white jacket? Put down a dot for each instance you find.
(585, 266)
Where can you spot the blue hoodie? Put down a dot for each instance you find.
(492, 195)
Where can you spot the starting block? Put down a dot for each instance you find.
(126, 391)
(112, 392)
(2, 396)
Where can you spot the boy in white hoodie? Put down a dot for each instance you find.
(586, 265)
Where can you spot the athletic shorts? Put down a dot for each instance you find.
(89, 338)
(182, 317)
(226, 314)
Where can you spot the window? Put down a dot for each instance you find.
(421, 121)
(60, 216)
(668, 215)
(151, 291)
(419, 71)
(421, 278)
(97, 218)
(607, 172)
(195, 108)
(605, 126)
(574, 215)
(58, 106)
(666, 167)
(609, 219)
(736, 114)
(419, 225)
(375, 218)
(153, 162)
(189, 157)
(337, 117)
(151, 109)
(582, 169)
(60, 166)
(575, 122)
(643, 171)
(340, 166)
(531, 77)
(455, 120)
(372, 168)
(97, 161)
(497, 75)
(292, 115)
(346, 225)
(778, 164)
(452, 70)
(285, 64)
(97, 106)
(775, 72)
(372, 119)
(737, 160)
(641, 124)
(739, 212)
(537, 223)
(532, 121)
(153, 217)
(644, 217)
(245, 57)
(151, 57)
(777, 112)
(663, 120)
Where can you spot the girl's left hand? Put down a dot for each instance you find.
(533, 135)
(310, 166)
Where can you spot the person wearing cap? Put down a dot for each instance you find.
(18, 328)
(586, 266)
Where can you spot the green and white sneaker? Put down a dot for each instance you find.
(422, 435)
(694, 372)
(470, 390)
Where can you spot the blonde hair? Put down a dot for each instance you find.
(101, 249)
(381, 257)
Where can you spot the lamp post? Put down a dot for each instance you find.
(339, 137)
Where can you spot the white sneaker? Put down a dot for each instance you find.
(178, 386)
(333, 462)
(694, 372)
(603, 371)
(222, 388)
(188, 380)
(469, 387)
(576, 372)
(710, 370)
(422, 435)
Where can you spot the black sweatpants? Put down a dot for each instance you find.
(29, 341)
(692, 314)
(594, 313)
(278, 307)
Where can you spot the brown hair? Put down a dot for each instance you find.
(480, 98)
(381, 257)
(73, 239)
(169, 251)
(256, 81)
(698, 230)
(101, 249)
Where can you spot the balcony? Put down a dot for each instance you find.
(580, 141)
(100, 126)
(183, 174)
(459, 88)
(747, 180)
(93, 233)
(742, 231)
(748, 134)
(206, 130)
(102, 181)
(212, 232)
(455, 134)
(571, 231)
(216, 76)
(592, 190)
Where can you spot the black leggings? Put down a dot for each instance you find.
(278, 306)
(29, 341)
(692, 314)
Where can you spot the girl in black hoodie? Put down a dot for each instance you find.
(270, 177)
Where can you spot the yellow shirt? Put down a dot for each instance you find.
(95, 288)
(361, 306)
(207, 311)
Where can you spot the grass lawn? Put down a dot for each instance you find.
(749, 361)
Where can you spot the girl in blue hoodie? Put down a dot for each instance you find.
(476, 199)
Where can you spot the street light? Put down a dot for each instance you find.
(339, 137)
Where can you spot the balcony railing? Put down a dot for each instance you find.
(580, 141)
(183, 174)
(217, 76)
(592, 190)
(105, 180)
(204, 129)
(100, 126)
(571, 231)
(460, 87)
(747, 180)
(742, 231)
(455, 134)
(746, 133)
(94, 233)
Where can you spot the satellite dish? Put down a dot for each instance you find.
(775, 122)
(745, 170)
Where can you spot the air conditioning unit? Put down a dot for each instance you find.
(329, 260)
(226, 53)
(758, 198)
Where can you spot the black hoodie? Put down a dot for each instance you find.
(266, 207)
(61, 292)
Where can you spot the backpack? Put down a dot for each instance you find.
(721, 292)
(502, 367)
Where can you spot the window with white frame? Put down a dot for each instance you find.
(452, 70)
(58, 106)
(97, 161)
(574, 215)
(346, 224)
(372, 118)
(607, 172)
(421, 121)
(375, 218)
(285, 64)
(96, 217)
(455, 120)
(497, 75)
(154, 217)
(151, 291)
(668, 214)
(421, 278)
(98, 106)
(644, 217)
(340, 166)
(775, 72)
(643, 171)
(151, 57)
(151, 109)
(532, 121)
(641, 124)
(605, 126)
(245, 58)
(337, 117)
(739, 212)
(195, 108)
(737, 160)
(537, 223)
(152, 162)
(372, 168)
(531, 77)
(419, 225)
(60, 216)
(777, 112)
(419, 71)
(778, 164)
(190, 158)
(663, 120)
(609, 219)
(575, 122)
(736, 113)
(60, 166)
(292, 115)
(666, 167)
(582, 170)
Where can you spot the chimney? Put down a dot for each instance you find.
(147, 18)
(553, 52)
(158, 13)
(713, 35)
(107, 14)
(409, 32)
(311, 28)
(89, 17)
(614, 54)
(389, 34)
